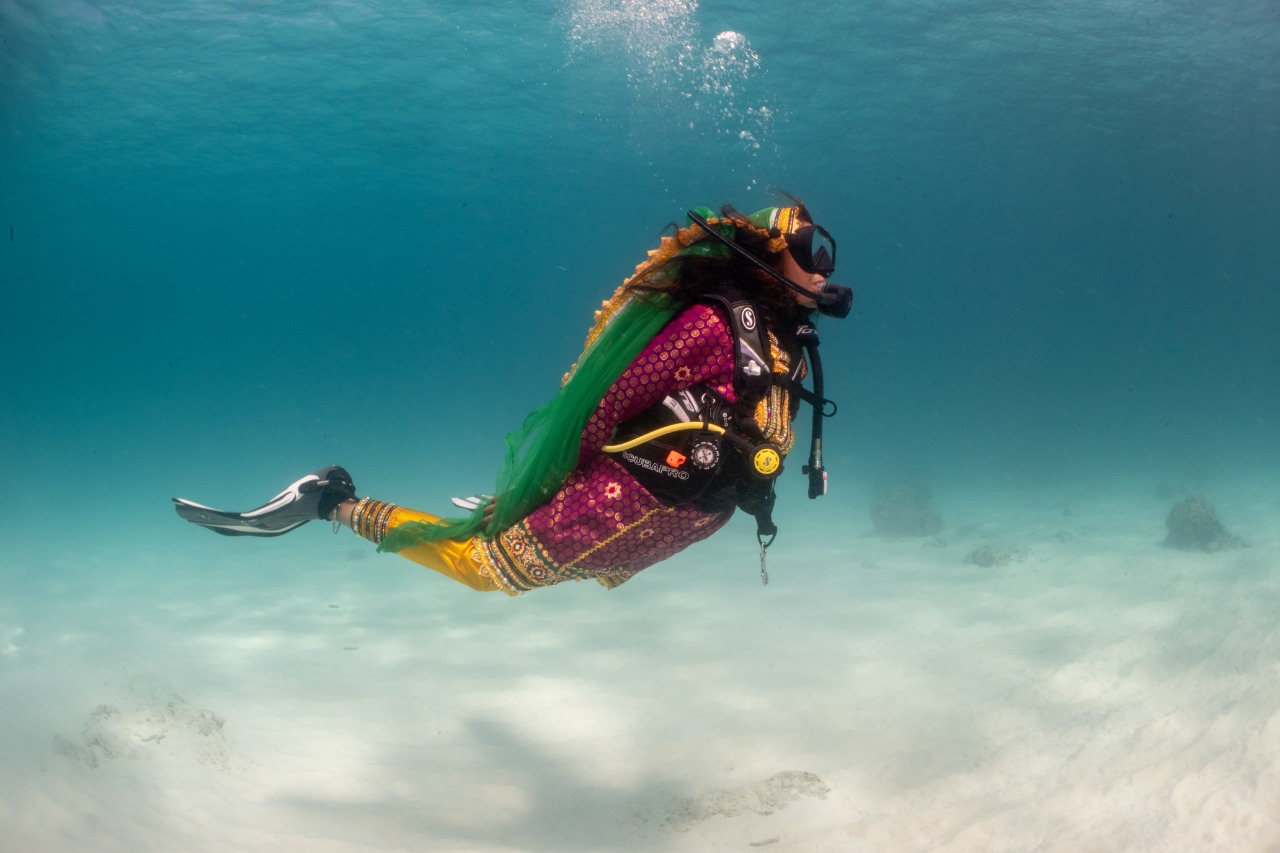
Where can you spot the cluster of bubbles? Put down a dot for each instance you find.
(668, 68)
(725, 68)
(653, 35)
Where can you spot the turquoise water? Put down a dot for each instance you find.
(240, 240)
(282, 233)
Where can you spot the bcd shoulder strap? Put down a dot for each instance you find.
(753, 362)
(752, 379)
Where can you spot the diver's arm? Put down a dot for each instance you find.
(695, 347)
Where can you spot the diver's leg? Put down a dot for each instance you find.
(372, 519)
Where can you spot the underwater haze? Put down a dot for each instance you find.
(240, 240)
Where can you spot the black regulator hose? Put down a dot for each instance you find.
(808, 338)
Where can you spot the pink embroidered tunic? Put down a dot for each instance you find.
(602, 523)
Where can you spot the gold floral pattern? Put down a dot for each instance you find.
(775, 411)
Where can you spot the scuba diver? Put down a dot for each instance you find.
(678, 411)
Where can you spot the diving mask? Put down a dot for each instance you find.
(811, 246)
(813, 249)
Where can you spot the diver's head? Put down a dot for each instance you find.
(773, 241)
(809, 259)
(784, 243)
(751, 251)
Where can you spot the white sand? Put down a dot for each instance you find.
(204, 694)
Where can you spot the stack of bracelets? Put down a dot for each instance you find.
(369, 519)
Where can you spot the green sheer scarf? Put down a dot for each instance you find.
(542, 453)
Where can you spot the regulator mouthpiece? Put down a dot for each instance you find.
(834, 300)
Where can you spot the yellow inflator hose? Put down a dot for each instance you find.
(766, 459)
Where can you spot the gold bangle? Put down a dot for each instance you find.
(357, 515)
(366, 520)
(380, 523)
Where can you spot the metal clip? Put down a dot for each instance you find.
(764, 575)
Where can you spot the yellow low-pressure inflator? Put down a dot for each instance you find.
(764, 460)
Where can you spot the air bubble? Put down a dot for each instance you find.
(665, 65)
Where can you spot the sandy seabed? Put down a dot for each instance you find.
(1098, 692)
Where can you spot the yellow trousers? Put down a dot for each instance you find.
(447, 557)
